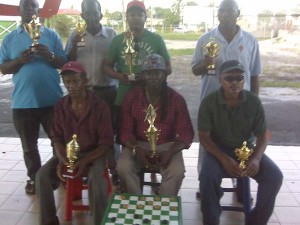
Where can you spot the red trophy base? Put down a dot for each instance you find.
(68, 172)
(153, 162)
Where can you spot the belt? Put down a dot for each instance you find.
(100, 88)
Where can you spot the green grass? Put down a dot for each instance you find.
(280, 84)
(178, 36)
(179, 52)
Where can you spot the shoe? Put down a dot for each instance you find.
(30, 187)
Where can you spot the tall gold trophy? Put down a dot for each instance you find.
(72, 150)
(129, 53)
(152, 134)
(80, 29)
(243, 153)
(212, 50)
(34, 30)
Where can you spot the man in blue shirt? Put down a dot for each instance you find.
(36, 83)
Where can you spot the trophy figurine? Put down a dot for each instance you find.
(243, 153)
(129, 53)
(80, 29)
(33, 29)
(152, 134)
(72, 150)
(212, 50)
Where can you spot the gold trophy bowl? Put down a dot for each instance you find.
(129, 53)
(72, 150)
(243, 153)
(80, 29)
(152, 134)
(212, 50)
(33, 28)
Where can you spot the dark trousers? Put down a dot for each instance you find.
(269, 179)
(27, 124)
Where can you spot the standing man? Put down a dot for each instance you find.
(234, 43)
(81, 113)
(97, 39)
(172, 120)
(227, 118)
(145, 43)
(36, 82)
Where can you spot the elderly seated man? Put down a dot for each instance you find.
(171, 119)
(227, 118)
(81, 113)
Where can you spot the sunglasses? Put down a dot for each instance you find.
(237, 78)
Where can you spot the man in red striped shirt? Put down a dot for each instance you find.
(172, 121)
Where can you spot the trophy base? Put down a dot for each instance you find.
(153, 162)
(211, 72)
(80, 44)
(69, 173)
(131, 77)
(33, 49)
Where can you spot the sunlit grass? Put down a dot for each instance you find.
(179, 52)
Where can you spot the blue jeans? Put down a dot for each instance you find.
(27, 124)
(269, 179)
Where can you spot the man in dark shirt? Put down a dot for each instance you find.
(83, 114)
(172, 121)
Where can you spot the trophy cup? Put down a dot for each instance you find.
(129, 53)
(243, 153)
(212, 50)
(80, 29)
(72, 150)
(152, 135)
(33, 29)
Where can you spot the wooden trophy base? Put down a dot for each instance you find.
(153, 162)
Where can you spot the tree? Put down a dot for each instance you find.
(173, 15)
(63, 23)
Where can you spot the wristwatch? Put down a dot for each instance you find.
(52, 57)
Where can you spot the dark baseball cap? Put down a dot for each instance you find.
(136, 4)
(72, 66)
(230, 66)
(153, 62)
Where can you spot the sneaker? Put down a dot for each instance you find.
(30, 187)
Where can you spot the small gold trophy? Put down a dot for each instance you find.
(243, 153)
(129, 53)
(80, 29)
(152, 134)
(72, 150)
(33, 28)
(212, 50)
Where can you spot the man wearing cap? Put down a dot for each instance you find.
(227, 118)
(36, 83)
(144, 41)
(81, 113)
(172, 120)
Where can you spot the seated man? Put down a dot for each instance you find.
(227, 118)
(87, 116)
(172, 121)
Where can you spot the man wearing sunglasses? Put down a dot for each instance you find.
(227, 118)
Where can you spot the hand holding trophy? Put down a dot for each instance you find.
(33, 29)
(80, 29)
(129, 53)
(212, 50)
(152, 135)
(243, 153)
(72, 150)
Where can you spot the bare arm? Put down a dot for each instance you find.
(13, 66)
(168, 67)
(109, 69)
(255, 84)
(201, 67)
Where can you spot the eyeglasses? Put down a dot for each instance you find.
(232, 78)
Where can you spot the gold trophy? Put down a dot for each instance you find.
(129, 53)
(152, 134)
(33, 28)
(243, 153)
(212, 50)
(80, 29)
(72, 150)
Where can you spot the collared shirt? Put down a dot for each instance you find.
(37, 83)
(148, 43)
(176, 126)
(230, 127)
(92, 130)
(243, 47)
(91, 56)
